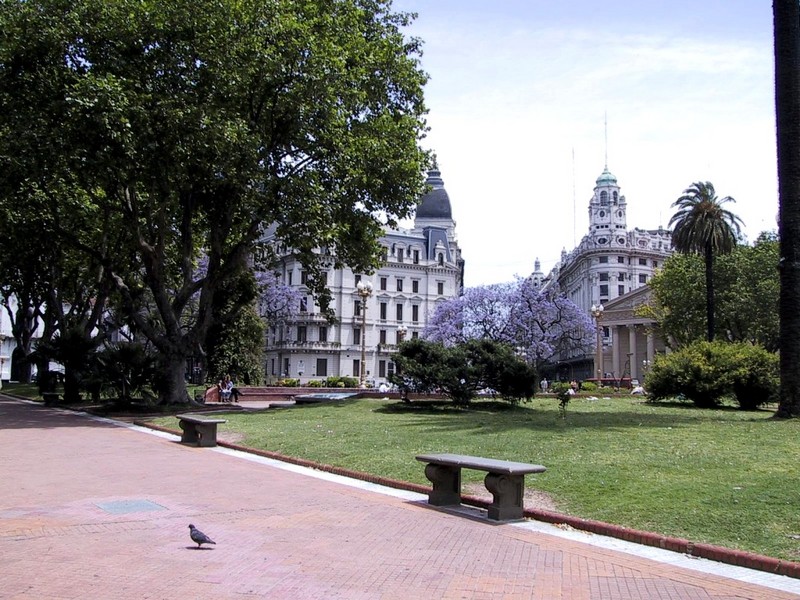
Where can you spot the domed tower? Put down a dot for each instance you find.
(434, 207)
(607, 210)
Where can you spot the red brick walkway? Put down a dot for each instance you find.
(94, 510)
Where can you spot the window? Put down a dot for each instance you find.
(603, 198)
(322, 367)
(382, 336)
(323, 334)
(604, 290)
(399, 312)
(272, 366)
(391, 368)
(621, 260)
(356, 307)
(356, 368)
(285, 367)
(301, 333)
(384, 254)
(620, 290)
(381, 368)
(621, 275)
(642, 278)
(416, 257)
(356, 335)
(643, 262)
(303, 277)
(415, 313)
(440, 288)
(441, 259)
(655, 264)
(289, 278)
(303, 304)
(603, 276)
(603, 260)
(414, 335)
(399, 284)
(383, 311)
(383, 283)
(357, 279)
(399, 255)
(415, 286)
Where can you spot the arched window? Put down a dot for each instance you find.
(603, 198)
(615, 197)
(441, 259)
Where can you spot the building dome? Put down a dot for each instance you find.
(435, 204)
(606, 178)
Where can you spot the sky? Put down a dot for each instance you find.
(530, 99)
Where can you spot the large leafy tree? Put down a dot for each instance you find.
(192, 125)
(786, 15)
(702, 225)
(746, 305)
(540, 325)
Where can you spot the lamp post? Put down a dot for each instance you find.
(597, 313)
(364, 290)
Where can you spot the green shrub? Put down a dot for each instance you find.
(707, 372)
(288, 382)
(315, 383)
(559, 386)
(349, 382)
(333, 382)
(589, 386)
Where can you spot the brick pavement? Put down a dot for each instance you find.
(90, 509)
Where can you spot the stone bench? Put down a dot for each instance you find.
(199, 430)
(505, 480)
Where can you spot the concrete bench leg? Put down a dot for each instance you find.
(202, 434)
(446, 484)
(189, 435)
(508, 492)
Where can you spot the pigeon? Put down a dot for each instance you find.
(199, 537)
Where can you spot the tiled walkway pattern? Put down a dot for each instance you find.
(92, 510)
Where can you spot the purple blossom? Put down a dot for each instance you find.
(539, 325)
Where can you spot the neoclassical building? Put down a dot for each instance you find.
(607, 268)
(421, 267)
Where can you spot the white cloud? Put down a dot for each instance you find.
(512, 98)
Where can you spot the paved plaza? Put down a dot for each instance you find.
(95, 509)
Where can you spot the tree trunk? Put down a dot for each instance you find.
(709, 260)
(172, 379)
(786, 14)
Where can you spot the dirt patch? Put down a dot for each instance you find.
(533, 498)
(230, 437)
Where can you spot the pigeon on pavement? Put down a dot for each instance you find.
(199, 537)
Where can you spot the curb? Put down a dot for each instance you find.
(700, 550)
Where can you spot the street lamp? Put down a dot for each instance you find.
(597, 313)
(364, 290)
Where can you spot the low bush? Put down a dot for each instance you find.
(589, 386)
(288, 382)
(705, 373)
(315, 383)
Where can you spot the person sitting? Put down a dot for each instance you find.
(225, 389)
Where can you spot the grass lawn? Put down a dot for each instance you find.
(722, 476)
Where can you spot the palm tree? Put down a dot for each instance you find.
(703, 226)
(786, 17)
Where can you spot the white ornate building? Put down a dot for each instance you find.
(611, 262)
(422, 266)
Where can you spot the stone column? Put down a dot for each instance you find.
(632, 350)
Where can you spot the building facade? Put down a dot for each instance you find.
(610, 263)
(422, 266)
